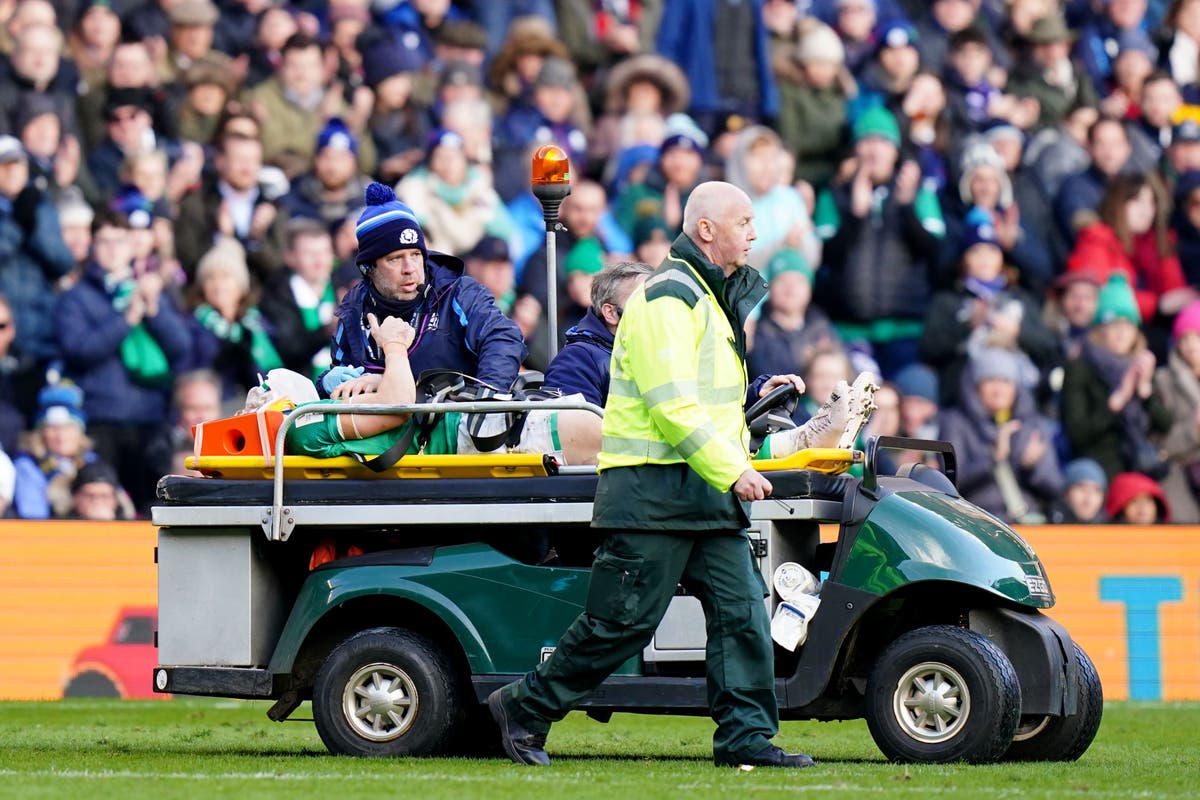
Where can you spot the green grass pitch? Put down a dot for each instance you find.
(191, 748)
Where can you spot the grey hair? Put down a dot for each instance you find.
(606, 286)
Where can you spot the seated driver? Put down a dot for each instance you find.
(571, 437)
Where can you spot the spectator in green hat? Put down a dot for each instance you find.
(1109, 404)
(790, 329)
(583, 262)
(881, 225)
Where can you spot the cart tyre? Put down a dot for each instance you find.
(387, 692)
(943, 693)
(1064, 738)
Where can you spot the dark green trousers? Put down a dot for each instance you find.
(632, 583)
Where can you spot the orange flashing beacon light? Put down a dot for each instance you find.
(551, 180)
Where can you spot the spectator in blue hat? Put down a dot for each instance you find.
(454, 200)
(668, 184)
(1183, 154)
(1084, 488)
(985, 309)
(399, 123)
(919, 397)
(457, 323)
(151, 234)
(55, 449)
(1110, 31)
(985, 184)
(887, 76)
(333, 187)
(490, 264)
(941, 20)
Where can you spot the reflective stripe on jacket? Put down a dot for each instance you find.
(678, 370)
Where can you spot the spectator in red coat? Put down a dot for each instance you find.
(1132, 237)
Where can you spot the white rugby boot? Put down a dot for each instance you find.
(861, 402)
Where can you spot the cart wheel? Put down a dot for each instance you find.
(386, 692)
(1045, 738)
(943, 693)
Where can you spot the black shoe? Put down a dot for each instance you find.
(771, 756)
(521, 745)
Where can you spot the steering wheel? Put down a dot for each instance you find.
(782, 398)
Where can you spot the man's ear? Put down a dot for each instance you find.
(608, 313)
(704, 229)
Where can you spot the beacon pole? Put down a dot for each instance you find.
(551, 184)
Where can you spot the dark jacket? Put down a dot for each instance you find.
(90, 332)
(583, 364)
(1092, 429)
(972, 431)
(197, 229)
(458, 327)
(1082, 192)
(876, 267)
(780, 352)
(32, 257)
(307, 200)
(295, 343)
(948, 329)
(686, 35)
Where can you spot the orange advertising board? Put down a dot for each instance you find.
(77, 601)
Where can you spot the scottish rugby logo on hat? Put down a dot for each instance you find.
(408, 236)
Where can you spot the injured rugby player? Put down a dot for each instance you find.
(571, 437)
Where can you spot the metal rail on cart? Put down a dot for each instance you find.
(278, 526)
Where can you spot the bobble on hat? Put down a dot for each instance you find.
(384, 226)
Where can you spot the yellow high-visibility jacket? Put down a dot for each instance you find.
(678, 373)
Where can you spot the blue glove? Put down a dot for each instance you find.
(336, 376)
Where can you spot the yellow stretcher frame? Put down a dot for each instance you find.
(829, 460)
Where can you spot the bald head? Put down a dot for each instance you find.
(719, 220)
(710, 200)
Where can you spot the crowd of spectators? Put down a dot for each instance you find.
(995, 204)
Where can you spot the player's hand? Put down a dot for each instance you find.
(751, 485)
(391, 330)
(365, 384)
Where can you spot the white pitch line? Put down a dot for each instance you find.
(557, 777)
